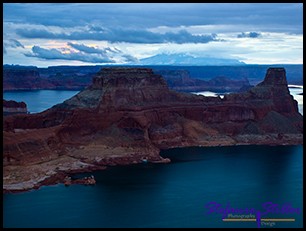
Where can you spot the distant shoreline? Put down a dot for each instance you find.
(44, 89)
(79, 89)
(58, 177)
(295, 86)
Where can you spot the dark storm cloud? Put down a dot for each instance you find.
(130, 59)
(258, 16)
(86, 49)
(49, 54)
(120, 35)
(108, 51)
(249, 35)
(13, 43)
(36, 33)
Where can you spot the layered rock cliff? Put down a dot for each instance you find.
(24, 79)
(11, 107)
(128, 114)
(32, 78)
(180, 80)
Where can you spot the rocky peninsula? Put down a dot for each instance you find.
(129, 114)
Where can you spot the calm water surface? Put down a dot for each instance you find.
(39, 100)
(170, 195)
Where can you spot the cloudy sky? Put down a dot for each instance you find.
(44, 34)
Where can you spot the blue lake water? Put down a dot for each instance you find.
(171, 195)
(165, 195)
(39, 100)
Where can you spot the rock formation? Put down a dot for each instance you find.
(180, 80)
(128, 114)
(23, 79)
(12, 107)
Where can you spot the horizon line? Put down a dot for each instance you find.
(93, 65)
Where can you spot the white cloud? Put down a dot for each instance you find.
(279, 26)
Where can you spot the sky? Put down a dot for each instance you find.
(48, 34)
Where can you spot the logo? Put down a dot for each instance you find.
(263, 216)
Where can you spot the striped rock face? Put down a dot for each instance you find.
(129, 114)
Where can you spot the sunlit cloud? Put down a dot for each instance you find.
(126, 33)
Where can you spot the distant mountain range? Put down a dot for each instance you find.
(184, 59)
(17, 77)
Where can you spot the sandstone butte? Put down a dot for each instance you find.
(127, 115)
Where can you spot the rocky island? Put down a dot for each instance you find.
(129, 114)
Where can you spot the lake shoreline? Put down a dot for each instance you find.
(55, 175)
